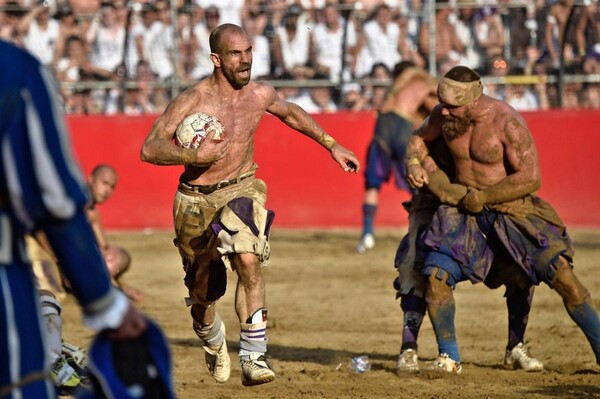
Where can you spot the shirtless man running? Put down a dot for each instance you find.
(219, 213)
(495, 155)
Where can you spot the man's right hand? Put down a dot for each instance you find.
(210, 151)
(416, 176)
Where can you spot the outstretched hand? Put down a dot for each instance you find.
(346, 158)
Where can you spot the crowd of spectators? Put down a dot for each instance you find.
(133, 56)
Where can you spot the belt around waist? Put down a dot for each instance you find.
(211, 188)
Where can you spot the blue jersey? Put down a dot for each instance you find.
(41, 187)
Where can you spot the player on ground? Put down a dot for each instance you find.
(219, 215)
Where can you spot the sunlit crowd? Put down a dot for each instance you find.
(133, 57)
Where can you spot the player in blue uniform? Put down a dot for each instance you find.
(41, 188)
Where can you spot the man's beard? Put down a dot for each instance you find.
(455, 127)
(234, 79)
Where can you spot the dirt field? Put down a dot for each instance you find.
(328, 304)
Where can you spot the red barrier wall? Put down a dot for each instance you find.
(307, 189)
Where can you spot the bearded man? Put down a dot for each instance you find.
(496, 158)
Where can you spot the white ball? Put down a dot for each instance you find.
(193, 128)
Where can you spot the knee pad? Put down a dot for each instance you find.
(438, 290)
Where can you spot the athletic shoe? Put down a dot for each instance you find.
(445, 364)
(63, 375)
(257, 371)
(79, 355)
(520, 358)
(408, 361)
(366, 242)
(218, 361)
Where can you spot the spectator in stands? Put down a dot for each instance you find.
(261, 51)
(291, 41)
(160, 46)
(106, 38)
(590, 24)
(353, 99)
(79, 102)
(489, 31)
(75, 65)
(448, 47)
(229, 10)
(275, 11)
(464, 22)
(68, 26)
(379, 41)
(556, 24)
(40, 32)
(326, 43)
(145, 82)
(257, 10)
(10, 16)
(376, 92)
(286, 87)
(319, 98)
(185, 43)
(498, 67)
(201, 49)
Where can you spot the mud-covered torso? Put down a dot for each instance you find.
(240, 115)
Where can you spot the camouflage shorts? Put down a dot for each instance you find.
(209, 228)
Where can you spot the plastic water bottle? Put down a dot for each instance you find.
(360, 364)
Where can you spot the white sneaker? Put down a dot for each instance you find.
(77, 353)
(366, 242)
(408, 361)
(256, 371)
(218, 361)
(445, 364)
(520, 358)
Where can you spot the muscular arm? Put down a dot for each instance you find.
(523, 176)
(298, 119)
(416, 149)
(159, 148)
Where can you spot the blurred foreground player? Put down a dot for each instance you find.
(41, 188)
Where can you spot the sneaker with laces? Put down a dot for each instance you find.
(63, 375)
(519, 357)
(366, 242)
(446, 364)
(257, 370)
(78, 354)
(218, 361)
(408, 361)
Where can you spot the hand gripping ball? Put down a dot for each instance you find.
(193, 128)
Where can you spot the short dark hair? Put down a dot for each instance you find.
(101, 167)
(462, 73)
(216, 36)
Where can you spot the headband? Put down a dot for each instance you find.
(456, 93)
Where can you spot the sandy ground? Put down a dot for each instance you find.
(328, 304)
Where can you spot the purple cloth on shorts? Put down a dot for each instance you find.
(465, 245)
